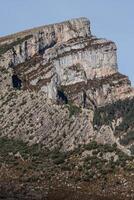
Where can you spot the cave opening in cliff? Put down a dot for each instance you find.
(62, 98)
(84, 99)
(16, 82)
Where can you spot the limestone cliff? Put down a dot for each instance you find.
(63, 74)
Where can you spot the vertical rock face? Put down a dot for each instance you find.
(26, 44)
(63, 63)
(63, 54)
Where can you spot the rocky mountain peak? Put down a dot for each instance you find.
(58, 55)
(60, 69)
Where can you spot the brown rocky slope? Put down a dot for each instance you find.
(60, 89)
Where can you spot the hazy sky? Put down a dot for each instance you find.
(111, 19)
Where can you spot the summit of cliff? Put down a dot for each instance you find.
(53, 81)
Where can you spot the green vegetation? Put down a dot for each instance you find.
(57, 156)
(5, 47)
(35, 152)
(98, 164)
(132, 149)
(128, 138)
(91, 145)
(128, 116)
(8, 145)
(121, 108)
(73, 109)
(100, 147)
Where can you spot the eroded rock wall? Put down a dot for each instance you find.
(66, 74)
(61, 54)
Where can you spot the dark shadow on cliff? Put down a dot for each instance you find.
(16, 82)
(61, 97)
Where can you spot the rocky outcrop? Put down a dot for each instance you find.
(58, 55)
(19, 47)
(61, 74)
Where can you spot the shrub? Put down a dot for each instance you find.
(57, 156)
(73, 109)
(14, 146)
(129, 137)
(91, 145)
(109, 148)
(88, 175)
(132, 149)
(121, 108)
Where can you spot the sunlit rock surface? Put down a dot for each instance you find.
(66, 59)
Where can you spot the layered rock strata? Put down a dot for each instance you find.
(59, 64)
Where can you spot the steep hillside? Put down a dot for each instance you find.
(60, 89)
(53, 81)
